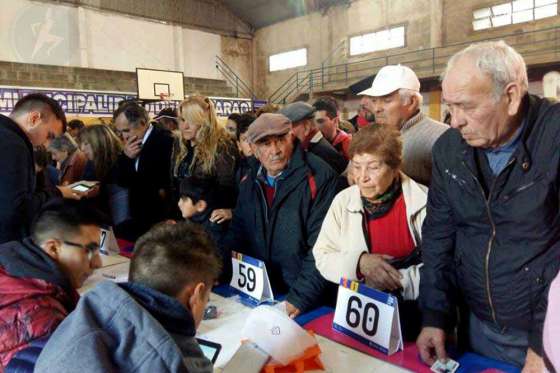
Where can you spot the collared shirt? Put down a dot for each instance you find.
(500, 156)
(312, 138)
(144, 139)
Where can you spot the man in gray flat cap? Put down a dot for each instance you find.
(302, 116)
(280, 209)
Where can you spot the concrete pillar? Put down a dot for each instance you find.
(83, 35)
(179, 48)
(436, 23)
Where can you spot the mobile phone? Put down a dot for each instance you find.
(82, 187)
(210, 349)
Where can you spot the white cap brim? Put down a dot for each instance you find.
(375, 92)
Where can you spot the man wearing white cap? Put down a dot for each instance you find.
(394, 98)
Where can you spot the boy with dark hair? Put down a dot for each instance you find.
(149, 323)
(39, 275)
(197, 200)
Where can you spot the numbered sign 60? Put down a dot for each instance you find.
(367, 315)
(362, 315)
(247, 275)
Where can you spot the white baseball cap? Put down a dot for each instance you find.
(390, 78)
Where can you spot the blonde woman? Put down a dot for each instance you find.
(205, 150)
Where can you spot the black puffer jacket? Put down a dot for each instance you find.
(499, 244)
(283, 236)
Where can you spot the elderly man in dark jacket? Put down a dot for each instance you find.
(280, 209)
(493, 222)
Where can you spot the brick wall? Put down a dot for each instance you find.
(30, 75)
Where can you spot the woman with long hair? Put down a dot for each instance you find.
(102, 147)
(205, 150)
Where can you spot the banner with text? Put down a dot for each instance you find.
(103, 103)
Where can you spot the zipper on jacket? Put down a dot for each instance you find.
(265, 202)
(492, 236)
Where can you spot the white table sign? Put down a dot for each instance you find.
(249, 276)
(108, 242)
(370, 316)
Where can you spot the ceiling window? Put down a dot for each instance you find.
(377, 41)
(288, 60)
(513, 12)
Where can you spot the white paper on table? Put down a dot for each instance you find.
(109, 260)
(115, 273)
(277, 334)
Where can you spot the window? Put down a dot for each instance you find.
(287, 60)
(513, 12)
(377, 41)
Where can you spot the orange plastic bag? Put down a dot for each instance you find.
(308, 361)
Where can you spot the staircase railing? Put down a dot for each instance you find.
(241, 89)
(537, 47)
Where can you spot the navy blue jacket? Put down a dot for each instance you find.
(496, 242)
(283, 236)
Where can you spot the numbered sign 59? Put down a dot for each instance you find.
(368, 315)
(248, 275)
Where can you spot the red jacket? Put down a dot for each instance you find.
(30, 308)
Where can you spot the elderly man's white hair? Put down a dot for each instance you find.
(406, 96)
(498, 60)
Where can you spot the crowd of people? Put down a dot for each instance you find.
(460, 222)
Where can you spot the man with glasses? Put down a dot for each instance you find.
(39, 275)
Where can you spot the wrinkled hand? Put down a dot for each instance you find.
(132, 147)
(378, 273)
(292, 311)
(533, 363)
(220, 216)
(431, 345)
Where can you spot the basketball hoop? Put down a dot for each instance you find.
(163, 96)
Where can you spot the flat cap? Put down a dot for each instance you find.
(268, 124)
(298, 111)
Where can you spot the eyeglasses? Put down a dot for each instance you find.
(91, 248)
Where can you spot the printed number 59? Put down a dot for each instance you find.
(247, 280)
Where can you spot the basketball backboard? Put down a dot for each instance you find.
(159, 85)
